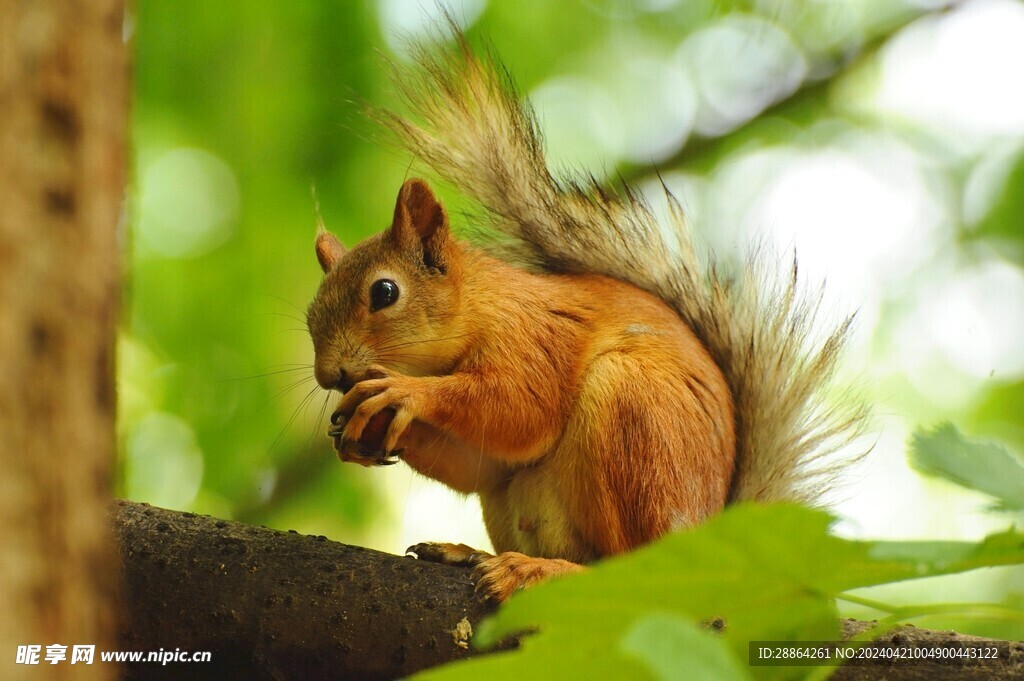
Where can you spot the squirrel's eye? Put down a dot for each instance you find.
(384, 292)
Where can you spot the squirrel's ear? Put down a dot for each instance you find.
(328, 249)
(421, 224)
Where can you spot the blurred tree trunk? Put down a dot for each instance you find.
(63, 107)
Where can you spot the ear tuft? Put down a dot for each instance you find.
(328, 249)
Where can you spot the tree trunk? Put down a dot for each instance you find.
(63, 105)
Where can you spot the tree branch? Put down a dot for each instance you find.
(1010, 664)
(280, 605)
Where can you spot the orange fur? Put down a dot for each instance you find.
(634, 388)
(584, 412)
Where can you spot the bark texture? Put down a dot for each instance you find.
(1009, 666)
(279, 605)
(63, 107)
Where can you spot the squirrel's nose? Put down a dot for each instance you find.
(339, 379)
(344, 382)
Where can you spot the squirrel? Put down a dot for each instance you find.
(600, 387)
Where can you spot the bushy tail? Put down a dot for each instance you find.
(470, 126)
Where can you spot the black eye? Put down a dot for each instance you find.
(384, 292)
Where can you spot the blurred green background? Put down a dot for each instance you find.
(882, 139)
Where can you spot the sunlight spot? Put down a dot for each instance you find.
(404, 20)
(189, 203)
(582, 125)
(427, 505)
(658, 107)
(959, 73)
(850, 220)
(974, 321)
(164, 464)
(741, 65)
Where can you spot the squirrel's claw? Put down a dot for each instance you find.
(448, 554)
(353, 451)
(389, 458)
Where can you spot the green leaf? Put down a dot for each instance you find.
(770, 572)
(946, 453)
(1002, 224)
(674, 648)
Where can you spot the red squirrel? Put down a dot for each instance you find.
(605, 386)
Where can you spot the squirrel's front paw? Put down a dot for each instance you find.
(368, 450)
(378, 410)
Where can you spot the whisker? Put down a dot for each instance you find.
(282, 392)
(295, 413)
(410, 365)
(297, 367)
(286, 316)
(408, 355)
(290, 387)
(428, 469)
(348, 344)
(420, 342)
(319, 420)
(382, 343)
(286, 302)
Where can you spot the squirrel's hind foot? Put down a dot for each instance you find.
(497, 577)
(500, 576)
(448, 554)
